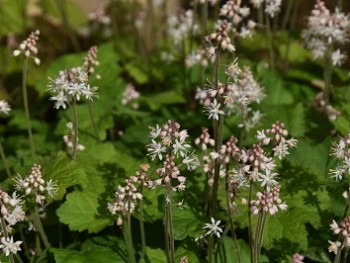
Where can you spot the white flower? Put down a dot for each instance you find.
(213, 228)
(267, 179)
(334, 227)
(338, 58)
(5, 108)
(8, 246)
(51, 187)
(156, 149)
(337, 173)
(214, 110)
(180, 148)
(191, 162)
(333, 246)
(281, 150)
(155, 132)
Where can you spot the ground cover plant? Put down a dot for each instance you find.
(168, 131)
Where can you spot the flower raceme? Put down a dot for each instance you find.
(169, 143)
(324, 30)
(341, 151)
(34, 185)
(71, 84)
(29, 47)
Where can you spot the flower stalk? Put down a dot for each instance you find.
(39, 226)
(26, 108)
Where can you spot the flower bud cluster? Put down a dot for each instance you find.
(297, 258)
(343, 230)
(204, 139)
(69, 139)
(129, 95)
(91, 61)
(181, 25)
(71, 84)
(322, 107)
(268, 202)
(34, 185)
(125, 199)
(276, 135)
(99, 16)
(169, 143)
(200, 57)
(341, 151)
(5, 107)
(29, 47)
(220, 38)
(325, 30)
(233, 12)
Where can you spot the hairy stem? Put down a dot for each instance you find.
(270, 37)
(230, 219)
(204, 14)
(327, 74)
(93, 121)
(128, 239)
(4, 161)
(261, 234)
(26, 108)
(142, 230)
(251, 241)
(61, 4)
(75, 124)
(169, 227)
(40, 228)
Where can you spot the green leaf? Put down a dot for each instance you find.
(185, 223)
(228, 253)
(159, 100)
(97, 254)
(156, 255)
(296, 52)
(312, 157)
(65, 172)
(79, 212)
(287, 225)
(137, 73)
(10, 17)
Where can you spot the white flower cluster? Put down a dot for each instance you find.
(12, 213)
(129, 95)
(181, 25)
(200, 57)
(169, 144)
(34, 185)
(234, 12)
(325, 30)
(272, 7)
(236, 96)
(125, 199)
(212, 2)
(29, 47)
(341, 151)
(71, 84)
(5, 107)
(11, 208)
(256, 164)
